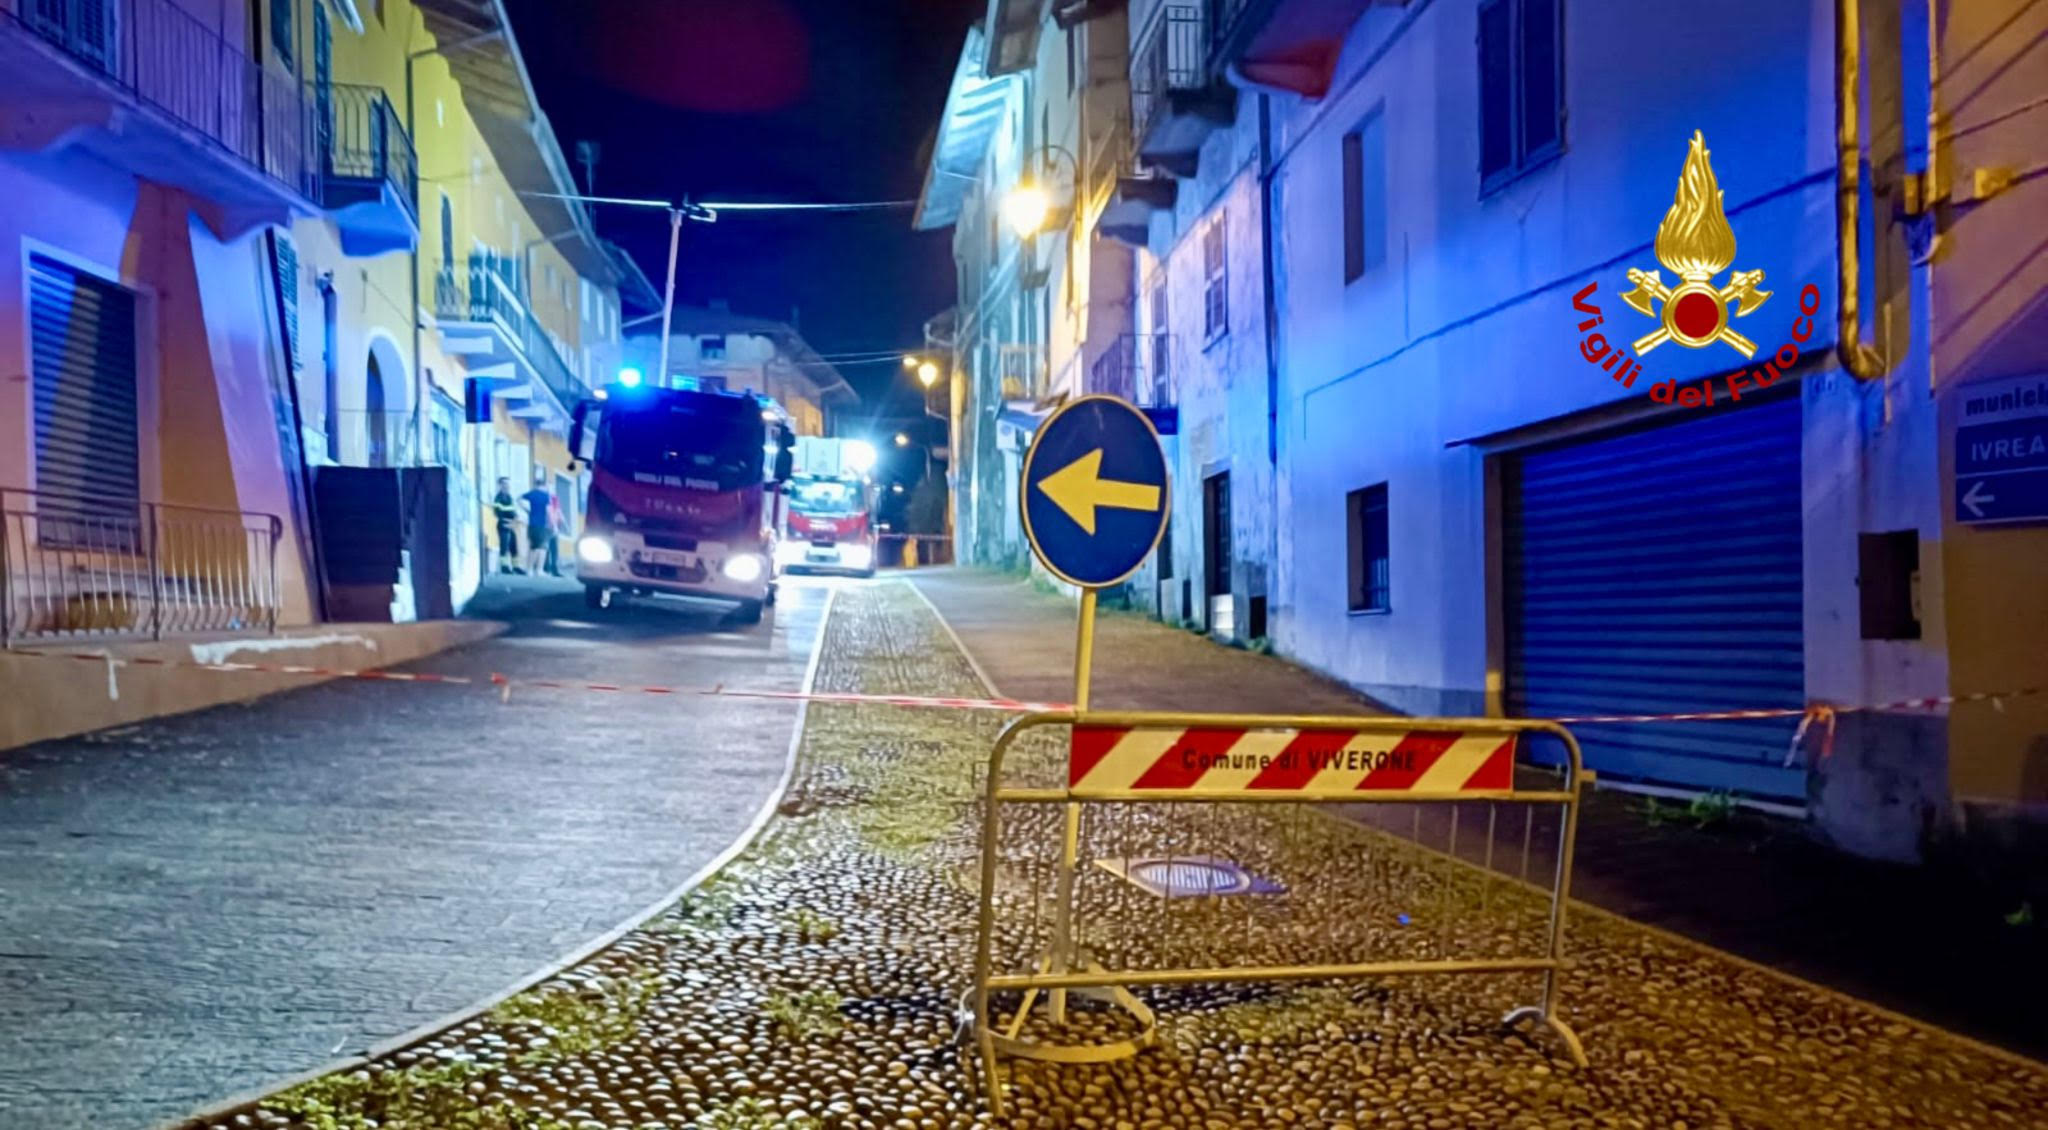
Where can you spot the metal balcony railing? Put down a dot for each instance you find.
(363, 437)
(184, 68)
(1137, 367)
(488, 297)
(363, 139)
(76, 566)
(1223, 16)
(1024, 371)
(1169, 56)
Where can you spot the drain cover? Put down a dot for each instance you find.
(1192, 876)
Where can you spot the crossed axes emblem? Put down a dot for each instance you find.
(1696, 242)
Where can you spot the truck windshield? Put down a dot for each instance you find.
(824, 496)
(694, 440)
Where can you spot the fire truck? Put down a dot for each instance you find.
(682, 495)
(831, 508)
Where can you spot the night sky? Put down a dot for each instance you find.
(813, 100)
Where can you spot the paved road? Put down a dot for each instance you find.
(201, 905)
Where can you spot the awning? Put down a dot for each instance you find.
(1294, 46)
(974, 108)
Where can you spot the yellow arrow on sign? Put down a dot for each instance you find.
(1079, 489)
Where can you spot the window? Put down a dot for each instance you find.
(1521, 109)
(1216, 282)
(1366, 511)
(84, 356)
(1365, 197)
(712, 347)
(1166, 549)
(281, 29)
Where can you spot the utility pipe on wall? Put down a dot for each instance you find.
(1859, 357)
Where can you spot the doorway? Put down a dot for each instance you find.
(1216, 550)
(379, 440)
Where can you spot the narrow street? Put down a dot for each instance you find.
(207, 904)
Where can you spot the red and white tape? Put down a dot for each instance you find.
(506, 683)
(1821, 714)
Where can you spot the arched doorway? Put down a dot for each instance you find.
(374, 420)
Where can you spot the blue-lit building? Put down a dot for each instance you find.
(1375, 240)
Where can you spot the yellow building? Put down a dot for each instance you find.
(433, 152)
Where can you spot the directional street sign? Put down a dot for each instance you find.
(1094, 491)
(2002, 453)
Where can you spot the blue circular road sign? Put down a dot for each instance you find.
(1095, 493)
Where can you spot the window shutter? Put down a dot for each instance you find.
(1496, 90)
(1539, 72)
(1354, 220)
(286, 259)
(83, 352)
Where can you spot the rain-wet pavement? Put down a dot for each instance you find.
(201, 905)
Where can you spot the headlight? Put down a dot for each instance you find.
(855, 556)
(743, 568)
(789, 553)
(595, 550)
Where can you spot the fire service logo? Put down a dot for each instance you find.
(1695, 243)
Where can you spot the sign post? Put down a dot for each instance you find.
(1094, 506)
(2001, 456)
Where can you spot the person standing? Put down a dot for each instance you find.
(540, 532)
(560, 522)
(505, 512)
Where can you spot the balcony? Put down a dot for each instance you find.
(1175, 104)
(369, 176)
(1139, 368)
(147, 87)
(483, 320)
(1024, 371)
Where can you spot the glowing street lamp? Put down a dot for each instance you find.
(910, 360)
(631, 377)
(1026, 208)
(902, 440)
(928, 373)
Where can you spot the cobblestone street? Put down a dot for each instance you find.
(814, 983)
(203, 905)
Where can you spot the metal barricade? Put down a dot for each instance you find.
(1191, 852)
(911, 551)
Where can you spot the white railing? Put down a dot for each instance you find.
(75, 566)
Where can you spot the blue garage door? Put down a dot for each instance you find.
(1655, 572)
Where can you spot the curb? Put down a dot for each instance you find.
(249, 1100)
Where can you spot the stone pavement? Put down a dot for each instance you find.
(813, 984)
(201, 905)
(1909, 939)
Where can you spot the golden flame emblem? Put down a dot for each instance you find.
(1696, 243)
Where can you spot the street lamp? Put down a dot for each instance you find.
(1029, 207)
(928, 373)
(902, 440)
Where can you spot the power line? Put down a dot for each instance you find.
(795, 206)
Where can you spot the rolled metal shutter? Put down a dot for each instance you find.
(82, 350)
(1659, 571)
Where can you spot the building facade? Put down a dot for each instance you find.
(1428, 441)
(258, 241)
(712, 347)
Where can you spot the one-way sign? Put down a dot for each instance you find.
(2002, 453)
